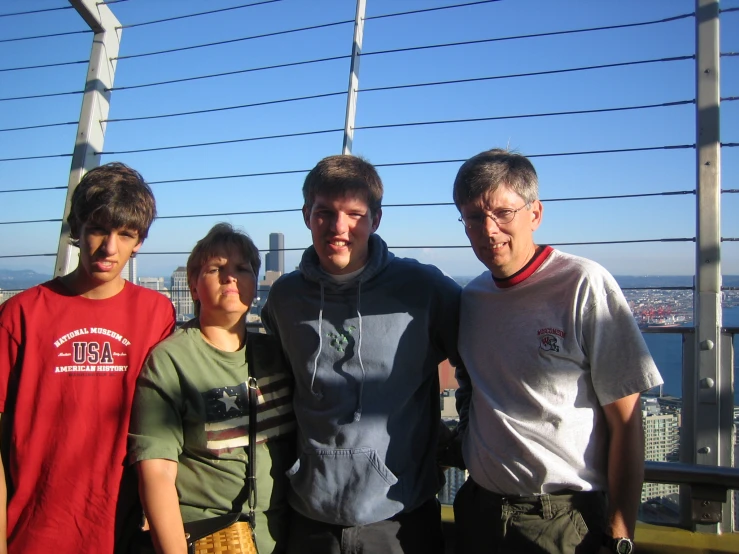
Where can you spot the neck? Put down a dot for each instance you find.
(226, 336)
(81, 285)
(509, 273)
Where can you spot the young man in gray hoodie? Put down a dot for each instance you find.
(364, 332)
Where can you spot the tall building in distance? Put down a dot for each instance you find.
(274, 267)
(454, 478)
(130, 271)
(180, 292)
(661, 421)
(275, 258)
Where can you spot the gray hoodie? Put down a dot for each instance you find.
(365, 357)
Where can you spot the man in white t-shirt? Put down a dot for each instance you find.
(549, 406)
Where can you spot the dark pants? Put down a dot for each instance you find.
(416, 532)
(567, 523)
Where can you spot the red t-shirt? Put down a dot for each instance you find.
(68, 368)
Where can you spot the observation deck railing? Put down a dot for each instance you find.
(696, 480)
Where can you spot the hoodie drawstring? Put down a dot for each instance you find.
(358, 411)
(318, 394)
(320, 347)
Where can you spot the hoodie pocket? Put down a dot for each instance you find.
(344, 486)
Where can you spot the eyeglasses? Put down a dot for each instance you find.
(500, 217)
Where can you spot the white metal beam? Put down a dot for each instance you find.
(95, 106)
(351, 100)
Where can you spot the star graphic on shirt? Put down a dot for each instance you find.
(229, 401)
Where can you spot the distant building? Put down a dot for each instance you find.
(180, 292)
(275, 258)
(7, 294)
(154, 283)
(130, 271)
(274, 267)
(448, 404)
(455, 478)
(661, 443)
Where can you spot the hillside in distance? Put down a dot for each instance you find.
(19, 279)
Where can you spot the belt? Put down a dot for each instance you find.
(534, 498)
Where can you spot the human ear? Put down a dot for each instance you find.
(537, 213)
(376, 217)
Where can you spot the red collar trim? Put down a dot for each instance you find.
(526, 271)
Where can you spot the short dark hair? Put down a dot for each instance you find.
(338, 175)
(484, 173)
(112, 196)
(221, 239)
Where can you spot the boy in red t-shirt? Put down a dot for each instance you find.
(70, 352)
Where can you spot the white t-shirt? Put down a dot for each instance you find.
(543, 356)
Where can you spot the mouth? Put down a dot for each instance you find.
(103, 265)
(338, 243)
(497, 245)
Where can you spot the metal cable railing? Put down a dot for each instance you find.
(377, 126)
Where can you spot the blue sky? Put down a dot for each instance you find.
(560, 177)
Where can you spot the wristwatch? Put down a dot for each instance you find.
(619, 545)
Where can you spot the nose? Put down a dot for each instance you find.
(340, 223)
(110, 244)
(228, 275)
(490, 225)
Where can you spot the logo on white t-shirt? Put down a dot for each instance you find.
(550, 339)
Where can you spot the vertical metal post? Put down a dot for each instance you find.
(95, 106)
(687, 425)
(351, 99)
(727, 429)
(711, 383)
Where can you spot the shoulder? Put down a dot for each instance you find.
(179, 347)
(287, 282)
(29, 298)
(182, 338)
(152, 306)
(576, 268)
(413, 270)
(586, 283)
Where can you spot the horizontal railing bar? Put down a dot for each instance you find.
(691, 474)
(658, 329)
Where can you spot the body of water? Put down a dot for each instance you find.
(667, 352)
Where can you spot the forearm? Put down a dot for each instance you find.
(625, 480)
(625, 475)
(161, 505)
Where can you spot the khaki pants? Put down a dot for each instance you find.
(568, 523)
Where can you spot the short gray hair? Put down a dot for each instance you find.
(484, 173)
